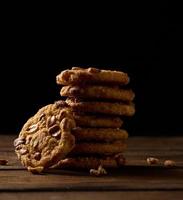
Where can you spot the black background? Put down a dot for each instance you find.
(145, 42)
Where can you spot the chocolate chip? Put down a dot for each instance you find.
(23, 151)
(54, 130)
(56, 134)
(35, 144)
(51, 121)
(61, 104)
(93, 70)
(37, 156)
(18, 141)
(74, 91)
(32, 128)
(42, 116)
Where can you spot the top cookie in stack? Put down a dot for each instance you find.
(99, 99)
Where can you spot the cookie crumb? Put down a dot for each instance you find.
(169, 163)
(99, 172)
(36, 170)
(152, 161)
(3, 162)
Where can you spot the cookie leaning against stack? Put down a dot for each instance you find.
(97, 100)
(46, 137)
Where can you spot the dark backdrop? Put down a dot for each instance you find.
(147, 44)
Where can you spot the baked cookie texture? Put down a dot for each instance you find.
(110, 108)
(98, 92)
(46, 137)
(89, 148)
(78, 75)
(99, 134)
(97, 121)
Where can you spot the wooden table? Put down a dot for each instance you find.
(136, 180)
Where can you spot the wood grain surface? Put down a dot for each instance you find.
(136, 179)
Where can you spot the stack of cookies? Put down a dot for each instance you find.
(99, 102)
(84, 131)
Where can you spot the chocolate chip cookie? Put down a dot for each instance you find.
(78, 75)
(85, 120)
(98, 92)
(111, 108)
(46, 137)
(99, 134)
(96, 148)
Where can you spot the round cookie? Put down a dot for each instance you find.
(86, 148)
(98, 92)
(115, 161)
(99, 134)
(101, 107)
(46, 137)
(84, 120)
(79, 76)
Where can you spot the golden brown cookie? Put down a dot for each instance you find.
(79, 76)
(99, 134)
(46, 137)
(101, 107)
(86, 148)
(84, 120)
(115, 161)
(98, 92)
